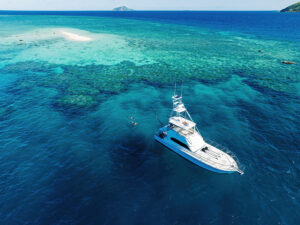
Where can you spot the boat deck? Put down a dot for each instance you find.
(216, 158)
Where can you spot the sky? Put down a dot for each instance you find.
(145, 4)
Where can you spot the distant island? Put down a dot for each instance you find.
(292, 8)
(122, 8)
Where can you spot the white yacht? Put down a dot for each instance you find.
(182, 136)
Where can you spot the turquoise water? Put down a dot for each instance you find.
(69, 154)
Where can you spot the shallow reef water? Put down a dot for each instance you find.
(70, 86)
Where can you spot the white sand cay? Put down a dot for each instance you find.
(74, 37)
(71, 46)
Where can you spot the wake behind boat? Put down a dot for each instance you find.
(182, 136)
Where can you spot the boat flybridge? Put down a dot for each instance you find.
(182, 136)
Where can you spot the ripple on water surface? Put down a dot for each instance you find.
(69, 153)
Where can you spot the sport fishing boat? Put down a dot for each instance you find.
(182, 136)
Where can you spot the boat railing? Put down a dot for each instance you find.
(203, 158)
(227, 151)
(211, 162)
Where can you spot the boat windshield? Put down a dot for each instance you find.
(180, 143)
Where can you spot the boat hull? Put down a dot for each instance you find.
(188, 157)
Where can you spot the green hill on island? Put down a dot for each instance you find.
(292, 8)
(122, 8)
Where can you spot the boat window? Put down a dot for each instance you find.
(180, 143)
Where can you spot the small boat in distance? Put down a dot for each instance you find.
(182, 136)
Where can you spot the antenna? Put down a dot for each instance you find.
(175, 90)
(181, 87)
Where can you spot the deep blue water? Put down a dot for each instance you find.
(269, 24)
(69, 154)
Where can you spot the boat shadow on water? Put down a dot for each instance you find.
(132, 153)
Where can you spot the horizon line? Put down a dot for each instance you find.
(148, 10)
